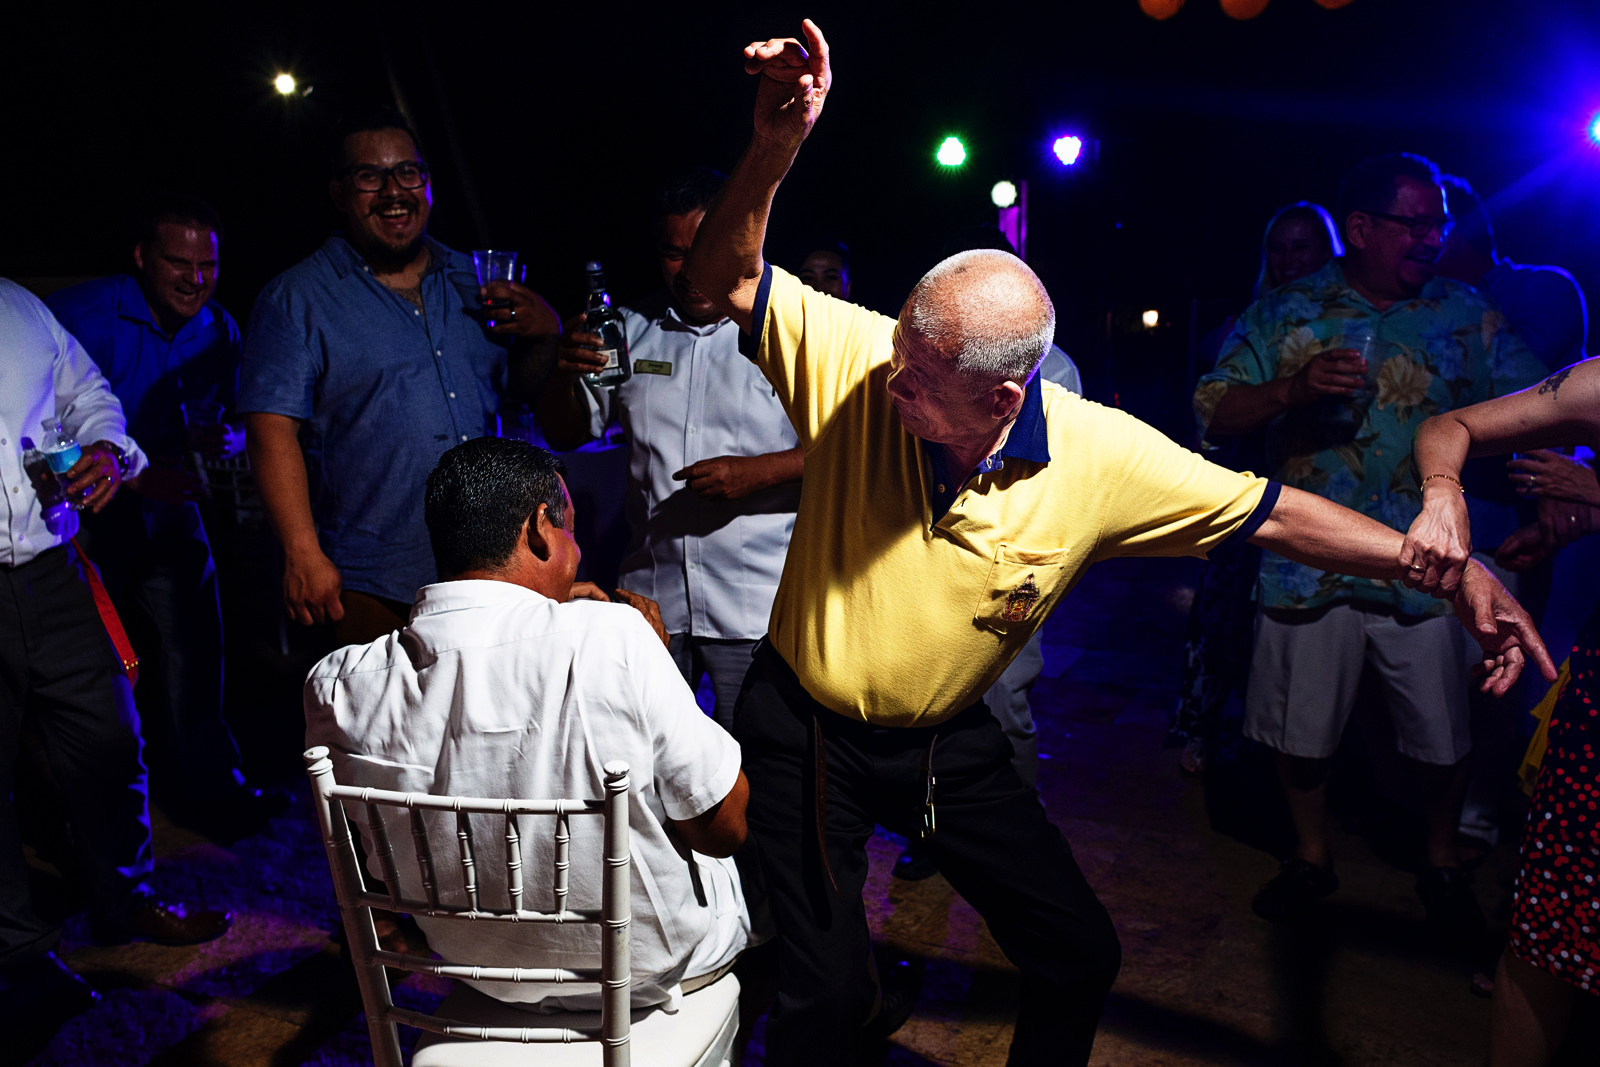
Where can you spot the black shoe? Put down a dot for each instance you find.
(42, 993)
(899, 984)
(164, 924)
(1297, 885)
(1452, 906)
(914, 864)
(234, 813)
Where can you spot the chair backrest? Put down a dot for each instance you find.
(356, 902)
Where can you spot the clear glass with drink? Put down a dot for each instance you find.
(496, 265)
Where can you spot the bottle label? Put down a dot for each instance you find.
(61, 462)
(612, 362)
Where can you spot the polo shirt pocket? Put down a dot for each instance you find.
(1020, 589)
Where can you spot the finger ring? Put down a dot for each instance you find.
(1416, 566)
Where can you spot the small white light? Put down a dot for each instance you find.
(284, 83)
(1004, 194)
(1151, 318)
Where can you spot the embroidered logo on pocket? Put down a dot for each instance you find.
(1020, 601)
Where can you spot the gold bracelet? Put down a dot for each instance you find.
(1447, 478)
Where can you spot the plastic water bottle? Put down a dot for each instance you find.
(61, 453)
(46, 486)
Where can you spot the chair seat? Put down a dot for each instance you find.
(700, 1034)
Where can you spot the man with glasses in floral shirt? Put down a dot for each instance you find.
(1342, 366)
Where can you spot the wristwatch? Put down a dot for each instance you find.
(123, 462)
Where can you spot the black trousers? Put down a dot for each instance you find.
(57, 668)
(156, 562)
(993, 842)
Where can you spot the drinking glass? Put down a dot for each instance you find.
(496, 265)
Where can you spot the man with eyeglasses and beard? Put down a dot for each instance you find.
(361, 368)
(1341, 367)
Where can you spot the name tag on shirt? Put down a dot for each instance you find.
(652, 366)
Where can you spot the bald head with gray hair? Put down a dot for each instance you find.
(986, 311)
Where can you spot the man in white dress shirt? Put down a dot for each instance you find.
(503, 685)
(59, 671)
(714, 471)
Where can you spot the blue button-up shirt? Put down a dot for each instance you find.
(150, 372)
(383, 389)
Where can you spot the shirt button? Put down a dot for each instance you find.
(941, 489)
(691, 566)
(452, 396)
(464, 437)
(1374, 498)
(14, 489)
(1377, 451)
(440, 352)
(416, 311)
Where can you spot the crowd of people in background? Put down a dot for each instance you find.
(816, 495)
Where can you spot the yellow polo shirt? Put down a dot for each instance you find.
(892, 618)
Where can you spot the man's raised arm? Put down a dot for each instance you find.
(725, 262)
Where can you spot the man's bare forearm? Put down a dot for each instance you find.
(784, 467)
(1321, 534)
(280, 469)
(726, 262)
(563, 412)
(1246, 407)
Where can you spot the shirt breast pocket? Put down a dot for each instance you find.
(1022, 586)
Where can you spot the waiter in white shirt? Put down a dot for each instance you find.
(59, 670)
(714, 468)
(503, 685)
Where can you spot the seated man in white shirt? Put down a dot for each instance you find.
(504, 685)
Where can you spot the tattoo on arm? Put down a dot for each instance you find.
(1552, 384)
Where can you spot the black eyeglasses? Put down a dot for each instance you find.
(1419, 225)
(373, 179)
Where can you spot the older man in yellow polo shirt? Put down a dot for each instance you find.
(951, 499)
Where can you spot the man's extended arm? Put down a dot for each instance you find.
(311, 582)
(1319, 533)
(733, 477)
(725, 262)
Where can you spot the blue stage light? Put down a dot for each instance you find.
(1067, 149)
(1594, 130)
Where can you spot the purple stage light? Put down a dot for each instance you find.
(1067, 149)
(1594, 129)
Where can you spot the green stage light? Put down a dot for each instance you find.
(952, 153)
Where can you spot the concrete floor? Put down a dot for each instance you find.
(1203, 981)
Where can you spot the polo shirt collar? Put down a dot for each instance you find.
(1029, 438)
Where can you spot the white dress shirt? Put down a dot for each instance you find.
(46, 374)
(493, 690)
(712, 565)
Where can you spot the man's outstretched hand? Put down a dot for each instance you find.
(795, 80)
(1502, 629)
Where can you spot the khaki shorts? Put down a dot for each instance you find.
(1304, 674)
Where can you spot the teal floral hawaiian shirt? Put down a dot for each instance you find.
(1447, 348)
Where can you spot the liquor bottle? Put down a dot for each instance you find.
(61, 452)
(52, 494)
(600, 318)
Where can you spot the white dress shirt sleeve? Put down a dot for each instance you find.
(696, 761)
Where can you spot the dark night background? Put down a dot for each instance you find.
(548, 127)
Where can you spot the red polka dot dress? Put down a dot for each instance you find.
(1555, 910)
